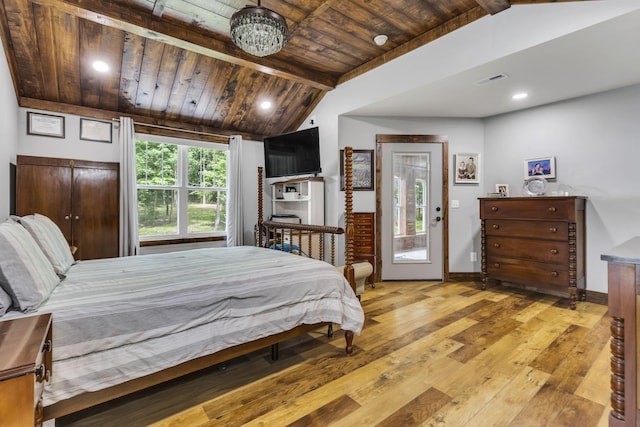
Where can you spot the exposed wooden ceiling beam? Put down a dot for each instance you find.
(106, 12)
(494, 6)
(208, 133)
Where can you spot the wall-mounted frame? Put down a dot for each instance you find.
(45, 124)
(542, 166)
(502, 189)
(95, 130)
(362, 168)
(467, 167)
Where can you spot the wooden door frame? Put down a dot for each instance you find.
(418, 139)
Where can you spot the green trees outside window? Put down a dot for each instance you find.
(182, 190)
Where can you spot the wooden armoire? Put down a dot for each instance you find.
(81, 197)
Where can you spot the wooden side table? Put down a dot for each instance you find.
(25, 366)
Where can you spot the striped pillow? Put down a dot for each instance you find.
(51, 240)
(25, 272)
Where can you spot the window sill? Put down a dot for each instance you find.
(146, 243)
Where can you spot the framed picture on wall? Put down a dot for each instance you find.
(95, 130)
(362, 165)
(542, 166)
(467, 167)
(45, 124)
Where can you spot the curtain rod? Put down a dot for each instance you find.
(177, 130)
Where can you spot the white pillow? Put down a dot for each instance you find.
(51, 240)
(25, 272)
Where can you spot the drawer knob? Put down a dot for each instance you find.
(554, 273)
(554, 251)
(496, 245)
(494, 208)
(496, 226)
(552, 209)
(496, 265)
(553, 229)
(42, 373)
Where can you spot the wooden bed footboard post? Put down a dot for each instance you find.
(349, 232)
(348, 220)
(348, 336)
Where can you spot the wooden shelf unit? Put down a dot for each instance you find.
(308, 206)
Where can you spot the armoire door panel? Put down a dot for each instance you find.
(45, 190)
(82, 197)
(95, 198)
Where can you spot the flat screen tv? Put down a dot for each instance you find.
(295, 153)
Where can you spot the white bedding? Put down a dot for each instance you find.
(123, 318)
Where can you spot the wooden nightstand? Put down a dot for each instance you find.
(25, 365)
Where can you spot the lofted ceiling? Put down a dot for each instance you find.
(173, 64)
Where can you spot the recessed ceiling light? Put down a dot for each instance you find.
(265, 105)
(100, 66)
(521, 95)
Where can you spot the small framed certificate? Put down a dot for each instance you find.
(45, 124)
(95, 130)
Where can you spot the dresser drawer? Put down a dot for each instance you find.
(529, 208)
(528, 272)
(25, 365)
(552, 230)
(363, 218)
(554, 252)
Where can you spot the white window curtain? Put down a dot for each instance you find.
(235, 229)
(129, 244)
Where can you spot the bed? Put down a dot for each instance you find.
(124, 324)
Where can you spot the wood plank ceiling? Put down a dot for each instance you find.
(173, 64)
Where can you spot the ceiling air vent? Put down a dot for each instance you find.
(491, 79)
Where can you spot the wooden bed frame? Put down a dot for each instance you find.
(89, 399)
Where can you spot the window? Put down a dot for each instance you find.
(397, 205)
(182, 189)
(421, 205)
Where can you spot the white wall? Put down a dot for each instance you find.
(595, 142)
(9, 125)
(69, 147)
(465, 135)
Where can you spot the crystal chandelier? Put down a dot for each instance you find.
(258, 30)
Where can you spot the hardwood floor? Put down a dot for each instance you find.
(430, 354)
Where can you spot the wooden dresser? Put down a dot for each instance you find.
(25, 365)
(624, 303)
(537, 242)
(364, 247)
